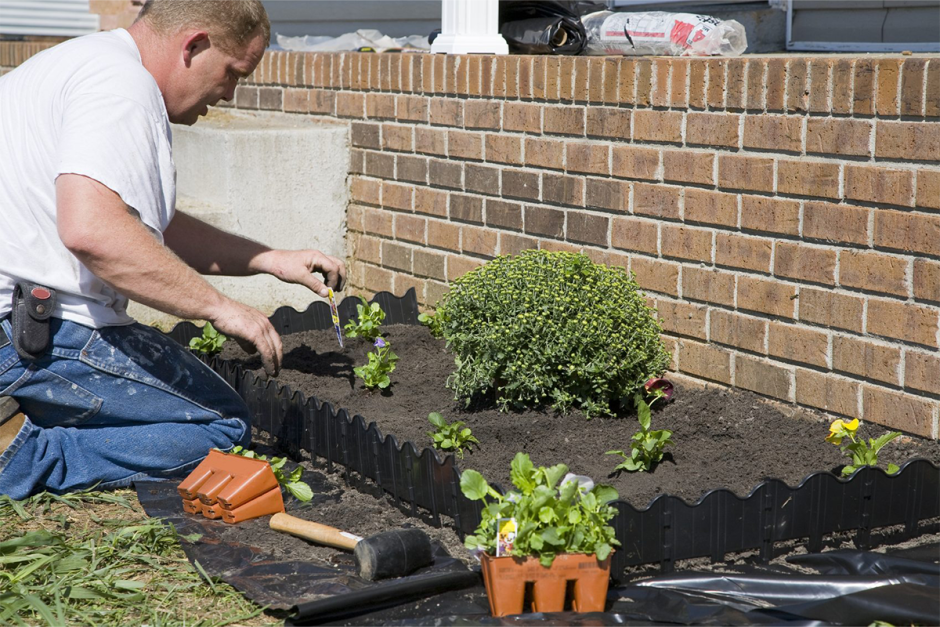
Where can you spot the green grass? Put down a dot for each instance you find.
(95, 558)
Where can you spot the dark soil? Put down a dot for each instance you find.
(723, 438)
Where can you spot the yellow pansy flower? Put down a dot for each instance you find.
(840, 429)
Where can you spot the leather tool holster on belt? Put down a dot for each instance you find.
(32, 309)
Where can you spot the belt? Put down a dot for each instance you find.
(4, 340)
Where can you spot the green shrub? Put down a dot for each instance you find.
(550, 328)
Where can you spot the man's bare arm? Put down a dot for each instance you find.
(127, 256)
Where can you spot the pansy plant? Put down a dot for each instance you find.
(381, 364)
(647, 446)
(368, 321)
(858, 451)
(450, 437)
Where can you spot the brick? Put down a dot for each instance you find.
(928, 189)
(898, 411)
(457, 266)
(512, 78)
(656, 275)
(712, 129)
(397, 196)
(481, 179)
(746, 173)
(450, 74)
(378, 280)
(377, 222)
(838, 136)
(657, 126)
(922, 372)
(430, 141)
(365, 135)
(411, 108)
(873, 272)
(444, 173)
(435, 292)
(296, 100)
(866, 359)
(678, 94)
(322, 101)
(563, 120)
(611, 85)
(587, 228)
(466, 208)
(518, 184)
(525, 78)
(755, 84)
(522, 117)
(429, 264)
(503, 148)
(510, 244)
(587, 158)
(552, 83)
(743, 252)
(711, 207)
(443, 235)
(368, 249)
(365, 191)
(742, 332)
(625, 83)
(430, 201)
(446, 112)
(708, 285)
(357, 162)
(659, 95)
(886, 99)
(835, 223)
(544, 221)
(907, 232)
(380, 165)
(270, 98)
(910, 141)
(903, 321)
(770, 215)
(563, 190)
(545, 153)
(656, 200)
(863, 96)
(780, 133)
(246, 97)
(479, 241)
(762, 377)
(634, 162)
(912, 86)
(805, 263)
(819, 76)
(465, 145)
(686, 166)
(350, 105)
(354, 217)
(682, 318)
(539, 80)
(486, 76)
(397, 138)
(380, 106)
(842, 86)
(608, 123)
(410, 228)
(504, 215)
(926, 280)
(566, 79)
(734, 83)
(797, 91)
(407, 281)
(831, 309)
(766, 296)
(776, 84)
(635, 235)
(482, 114)
(697, 83)
(704, 361)
(932, 93)
(874, 184)
(715, 94)
(643, 70)
(413, 169)
(808, 178)
(798, 344)
(828, 393)
(686, 243)
(463, 76)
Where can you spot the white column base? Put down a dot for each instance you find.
(470, 44)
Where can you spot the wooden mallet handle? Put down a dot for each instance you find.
(315, 532)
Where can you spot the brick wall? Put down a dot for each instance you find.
(782, 213)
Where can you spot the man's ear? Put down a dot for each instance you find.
(192, 44)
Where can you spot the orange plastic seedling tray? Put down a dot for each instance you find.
(231, 487)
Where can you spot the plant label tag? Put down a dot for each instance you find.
(505, 536)
(335, 315)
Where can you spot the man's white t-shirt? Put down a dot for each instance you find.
(87, 106)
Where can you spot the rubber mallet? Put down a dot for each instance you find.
(388, 554)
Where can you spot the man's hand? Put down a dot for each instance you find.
(298, 266)
(248, 325)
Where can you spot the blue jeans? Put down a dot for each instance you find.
(111, 406)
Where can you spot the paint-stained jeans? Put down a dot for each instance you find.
(111, 406)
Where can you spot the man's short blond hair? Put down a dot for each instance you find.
(231, 23)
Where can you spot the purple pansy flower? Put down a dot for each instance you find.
(379, 342)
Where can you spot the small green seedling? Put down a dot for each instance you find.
(862, 454)
(300, 489)
(450, 436)
(210, 344)
(368, 322)
(381, 364)
(433, 322)
(647, 446)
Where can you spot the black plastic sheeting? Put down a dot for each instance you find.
(545, 27)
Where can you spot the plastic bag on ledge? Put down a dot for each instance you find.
(660, 33)
(364, 38)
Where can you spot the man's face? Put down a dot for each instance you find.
(208, 74)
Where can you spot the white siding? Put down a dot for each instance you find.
(61, 18)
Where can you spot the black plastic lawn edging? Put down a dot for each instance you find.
(666, 530)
